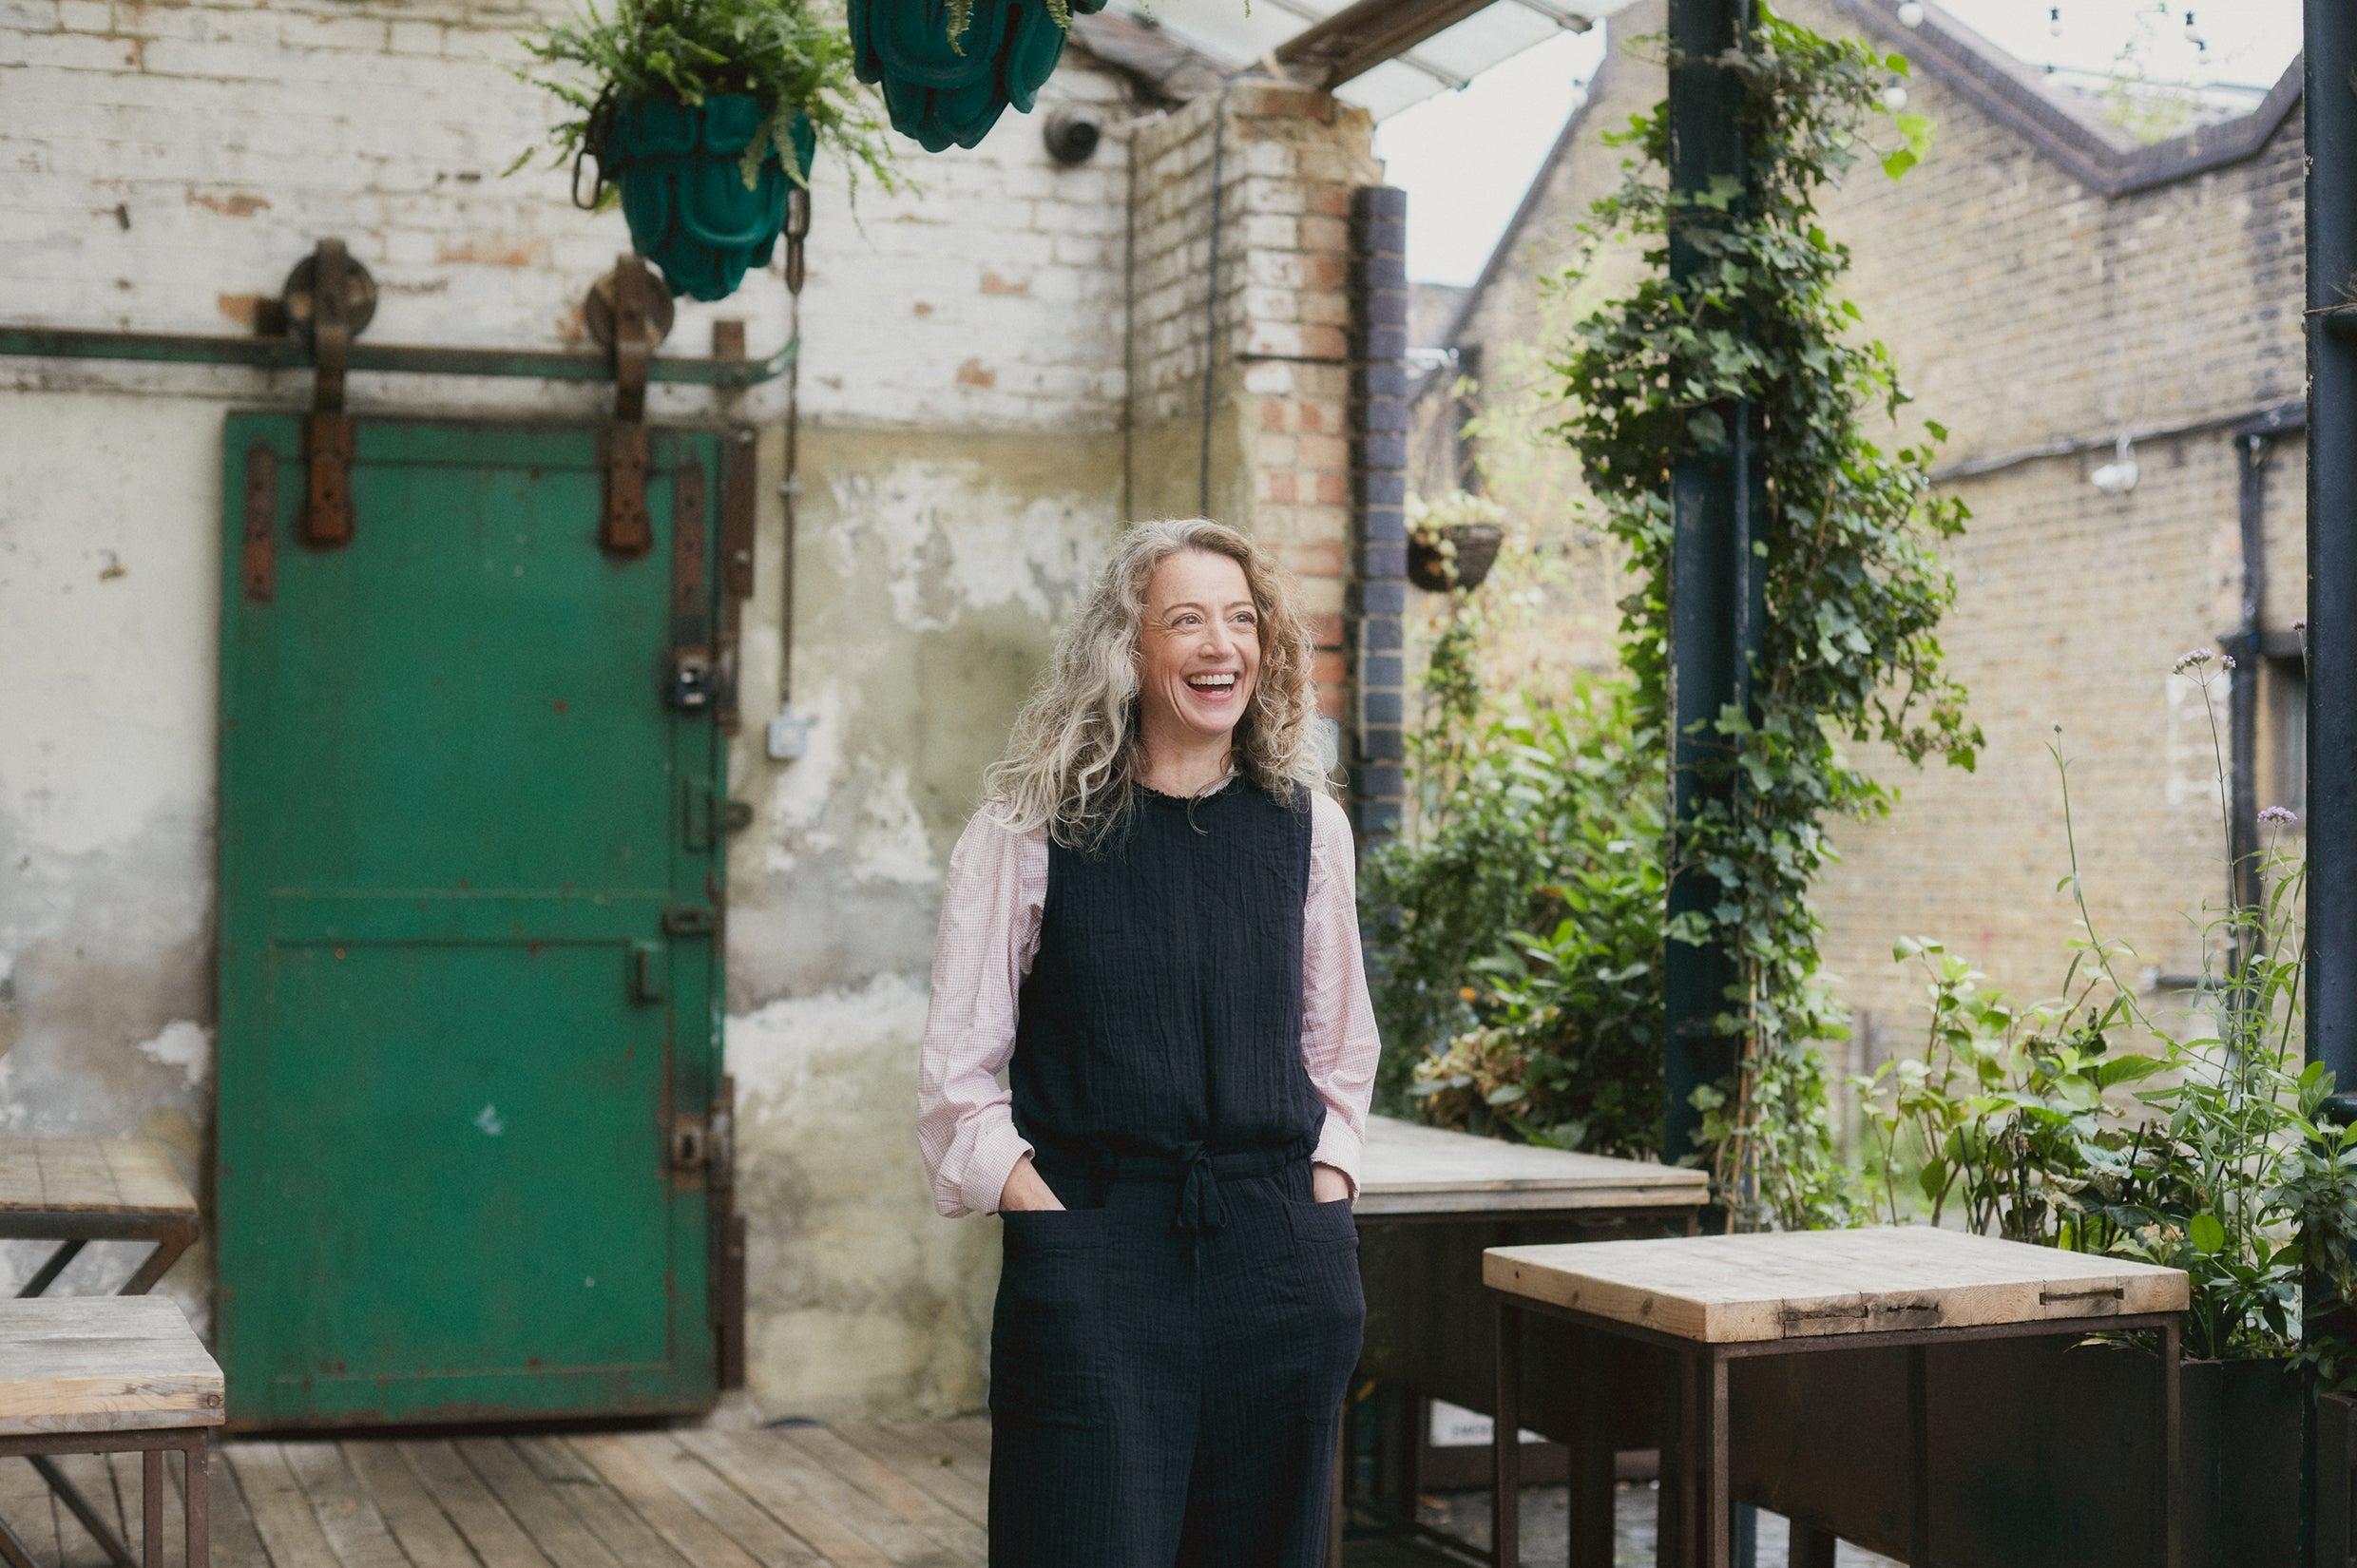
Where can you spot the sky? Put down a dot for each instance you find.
(1466, 158)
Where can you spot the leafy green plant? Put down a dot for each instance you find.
(2083, 1122)
(788, 56)
(1517, 931)
(1855, 585)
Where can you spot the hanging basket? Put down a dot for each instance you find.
(941, 95)
(1470, 549)
(680, 169)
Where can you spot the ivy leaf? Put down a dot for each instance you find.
(1916, 129)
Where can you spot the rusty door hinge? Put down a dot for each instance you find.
(634, 309)
(258, 561)
(329, 298)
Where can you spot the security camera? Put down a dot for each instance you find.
(1072, 134)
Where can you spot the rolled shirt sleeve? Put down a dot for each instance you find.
(991, 914)
(1339, 1045)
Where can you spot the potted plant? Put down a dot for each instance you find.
(1453, 542)
(701, 115)
(2086, 1123)
(949, 69)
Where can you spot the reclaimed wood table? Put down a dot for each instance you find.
(1430, 1201)
(74, 1191)
(106, 1375)
(1712, 1300)
(1410, 1173)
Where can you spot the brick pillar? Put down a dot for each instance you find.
(1278, 329)
(1378, 489)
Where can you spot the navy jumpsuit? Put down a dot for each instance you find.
(1170, 1352)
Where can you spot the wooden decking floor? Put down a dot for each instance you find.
(873, 1496)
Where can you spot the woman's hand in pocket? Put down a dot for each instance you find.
(1328, 1185)
(1026, 1189)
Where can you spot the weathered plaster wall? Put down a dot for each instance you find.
(164, 166)
(108, 614)
(929, 579)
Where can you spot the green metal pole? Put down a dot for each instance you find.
(1717, 604)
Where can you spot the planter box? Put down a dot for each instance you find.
(2044, 1454)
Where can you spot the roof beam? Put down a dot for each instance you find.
(1364, 33)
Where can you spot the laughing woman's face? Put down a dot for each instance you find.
(1200, 651)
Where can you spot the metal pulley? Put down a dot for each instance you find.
(329, 300)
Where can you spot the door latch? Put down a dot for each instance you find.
(690, 920)
(690, 680)
(691, 1142)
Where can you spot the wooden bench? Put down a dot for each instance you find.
(111, 1374)
(1710, 1300)
(74, 1191)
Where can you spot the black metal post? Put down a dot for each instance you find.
(2330, 112)
(1717, 610)
(1715, 618)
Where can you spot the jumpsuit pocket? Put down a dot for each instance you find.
(1323, 1224)
(1047, 1331)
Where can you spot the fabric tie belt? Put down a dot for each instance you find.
(1193, 1169)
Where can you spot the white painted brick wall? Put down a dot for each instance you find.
(163, 165)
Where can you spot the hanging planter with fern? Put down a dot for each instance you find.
(948, 69)
(700, 115)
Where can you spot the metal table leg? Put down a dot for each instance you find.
(1810, 1546)
(1505, 1495)
(2172, 1512)
(1591, 1454)
(1719, 1504)
(196, 1480)
(1918, 1455)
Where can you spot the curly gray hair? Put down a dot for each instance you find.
(1072, 764)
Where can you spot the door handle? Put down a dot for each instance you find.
(646, 971)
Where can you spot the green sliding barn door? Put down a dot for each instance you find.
(470, 871)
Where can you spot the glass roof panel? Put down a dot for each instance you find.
(1226, 29)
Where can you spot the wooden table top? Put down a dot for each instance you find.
(1412, 1169)
(90, 1175)
(1802, 1284)
(102, 1363)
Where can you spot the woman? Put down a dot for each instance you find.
(1151, 924)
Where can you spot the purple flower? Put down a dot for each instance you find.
(2279, 813)
(2191, 658)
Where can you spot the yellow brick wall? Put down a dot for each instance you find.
(2023, 309)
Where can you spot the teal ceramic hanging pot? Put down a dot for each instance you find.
(942, 93)
(703, 187)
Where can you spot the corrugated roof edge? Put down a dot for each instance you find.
(1176, 71)
(1996, 84)
(2090, 151)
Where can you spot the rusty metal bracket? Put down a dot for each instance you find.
(635, 309)
(691, 609)
(739, 476)
(329, 300)
(258, 561)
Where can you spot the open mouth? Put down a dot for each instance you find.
(1219, 683)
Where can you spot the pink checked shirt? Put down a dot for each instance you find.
(991, 916)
